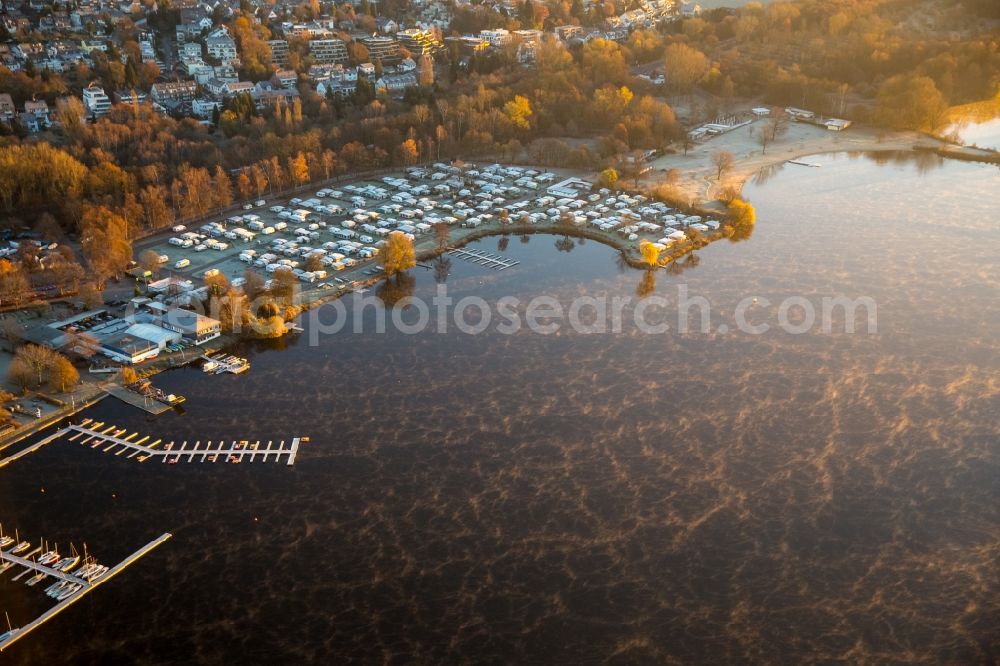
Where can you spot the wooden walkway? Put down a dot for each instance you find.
(34, 447)
(487, 259)
(86, 587)
(112, 439)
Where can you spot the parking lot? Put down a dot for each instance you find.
(332, 237)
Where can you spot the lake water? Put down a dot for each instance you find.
(577, 498)
(984, 134)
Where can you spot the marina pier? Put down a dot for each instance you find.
(31, 449)
(487, 259)
(85, 587)
(112, 439)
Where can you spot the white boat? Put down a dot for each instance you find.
(69, 591)
(37, 578)
(86, 570)
(20, 548)
(67, 563)
(6, 541)
(92, 571)
(48, 558)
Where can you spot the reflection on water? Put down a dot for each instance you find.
(984, 134)
(923, 161)
(767, 173)
(394, 289)
(586, 499)
(647, 284)
(442, 266)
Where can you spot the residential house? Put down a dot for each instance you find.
(189, 50)
(233, 88)
(173, 91)
(285, 78)
(381, 47)
(131, 97)
(279, 51)
(328, 51)
(191, 26)
(418, 42)
(267, 95)
(35, 117)
(497, 37)
(567, 32)
(204, 107)
(386, 25)
(93, 46)
(7, 108)
(222, 48)
(395, 84)
(96, 101)
(528, 36)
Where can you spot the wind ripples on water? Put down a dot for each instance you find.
(587, 499)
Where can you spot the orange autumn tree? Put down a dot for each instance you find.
(105, 243)
(398, 254)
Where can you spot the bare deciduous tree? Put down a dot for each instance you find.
(723, 162)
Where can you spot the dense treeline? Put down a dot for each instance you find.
(838, 57)
(152, 170)
(882, 60)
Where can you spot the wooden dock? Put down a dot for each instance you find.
(482, 258)
(226, 363)
(151, 405)
(86, 587)
(34, 447)
(112, 439)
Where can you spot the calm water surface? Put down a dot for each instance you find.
(985, 134)
(627, 499)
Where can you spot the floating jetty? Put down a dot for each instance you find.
(112, 439)
(78, 586)
(225, 363)
(487, 259)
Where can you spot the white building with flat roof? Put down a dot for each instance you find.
(95, 100)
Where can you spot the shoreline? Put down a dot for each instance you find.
(903, 142)
(744, 172)
(94, 394)
(698, 183)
